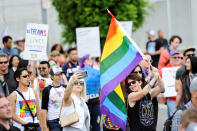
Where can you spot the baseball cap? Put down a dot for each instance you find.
(193, 85)
(152, 32)
(19, 39)
(56, 70)
(188, 49)
(173, 52)
(55, 53)
(192, 127)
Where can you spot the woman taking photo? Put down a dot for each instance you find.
(140, 108)
(74, 100)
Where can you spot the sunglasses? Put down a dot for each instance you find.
(79, 83)
(41, 68)
(189, 55)
(25, 76)
(3, 62)
(176, 57)
(132, 82)
(138, 72)
(151, 61)
(181, 58)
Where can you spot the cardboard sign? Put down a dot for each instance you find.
(168, 77)
(127, 26)
(88, 41)
(36, 42)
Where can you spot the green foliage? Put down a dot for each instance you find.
(88, 13)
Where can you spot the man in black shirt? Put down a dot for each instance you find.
(162, 41)
(5, 115)
(72, 65)
(154, 48)
(7, 73)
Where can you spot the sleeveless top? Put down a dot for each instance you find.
(21, 109)
(142, 116)
(83, 113)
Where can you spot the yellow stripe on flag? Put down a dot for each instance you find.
(112, 44)
(118, 91)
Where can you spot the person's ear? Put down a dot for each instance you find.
(17, 79)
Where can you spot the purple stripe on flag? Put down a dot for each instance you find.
(116, 120)
(110, 86)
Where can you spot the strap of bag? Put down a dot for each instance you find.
(26, 104)
(62, 105)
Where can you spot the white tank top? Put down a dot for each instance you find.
(21, 109)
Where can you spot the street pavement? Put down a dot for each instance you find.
(162, 116)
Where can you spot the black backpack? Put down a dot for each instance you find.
(168, 122)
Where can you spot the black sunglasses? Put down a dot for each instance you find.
(140, 72)
(3, 62)
(25, 76)
(132, 82)
(79, 83)
(41, 68)
(189, 55)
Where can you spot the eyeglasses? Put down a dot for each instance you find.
(5, 106)
(181, 58)
(41, 68)
(189, 55)
(3, 62)
(79, 83)
(138, 72)
(176, 57)
(132, 82)
(25, 76)
(151, 61)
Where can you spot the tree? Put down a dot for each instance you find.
(88, 13)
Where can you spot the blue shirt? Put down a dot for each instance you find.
(12, 52)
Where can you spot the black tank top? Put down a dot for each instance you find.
(142, 117)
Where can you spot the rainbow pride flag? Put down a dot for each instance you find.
(120, 56)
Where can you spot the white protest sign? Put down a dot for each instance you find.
(88, 41)
(36, 42)
(127, 26)
(168, 77)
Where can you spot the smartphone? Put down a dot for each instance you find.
(84, 74)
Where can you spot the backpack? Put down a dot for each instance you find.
(168, 122)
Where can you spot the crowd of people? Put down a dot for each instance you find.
(63, 93)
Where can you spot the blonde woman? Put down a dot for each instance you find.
(74, 100)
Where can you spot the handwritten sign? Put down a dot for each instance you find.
(127, 26)
(36, 42)
(168, 77)
(88, 41)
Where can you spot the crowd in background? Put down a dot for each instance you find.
(41, 95)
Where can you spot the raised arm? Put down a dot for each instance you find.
(135, 96)
(68, 91)
(158, 89)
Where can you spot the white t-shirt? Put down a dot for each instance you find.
(55, 100)
(39, 84)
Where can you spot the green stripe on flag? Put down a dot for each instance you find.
(115, 56)
(117, 101)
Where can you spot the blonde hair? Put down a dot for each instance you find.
(83, 93)
(2, 95)
(188, 116)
